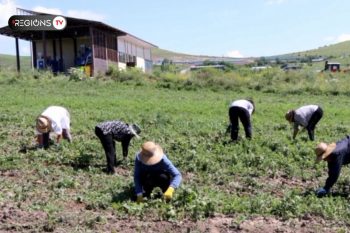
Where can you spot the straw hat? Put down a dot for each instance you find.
(289, 115)
(43, 124)
(323, 150)
(151, 153)
(135, 130)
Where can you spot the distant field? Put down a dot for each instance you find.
(8, 62)
(263, 185)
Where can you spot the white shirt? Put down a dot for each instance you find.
(59, 117)
(243, 104)
(303, 114)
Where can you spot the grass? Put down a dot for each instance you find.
(8, 62)
(334, 50)
(267, 176)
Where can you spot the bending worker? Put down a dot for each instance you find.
(54, 119)
(305, 116)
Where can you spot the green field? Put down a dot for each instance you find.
(260, 185)
(8, 62)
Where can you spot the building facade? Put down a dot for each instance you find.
(90, 45)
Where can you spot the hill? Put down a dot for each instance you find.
(335, 50)
(160, 54)
(339, 52)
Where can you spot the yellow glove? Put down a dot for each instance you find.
(139, 198)
(169, 193)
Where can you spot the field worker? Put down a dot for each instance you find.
(336, 155)
(306, 116)
(154, 169)
(54, 119)
(110, 131)
(242, 109)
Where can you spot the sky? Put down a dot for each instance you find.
(233, 28)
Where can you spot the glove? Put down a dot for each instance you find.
(321, 192)
(139, 198)
(168, 195)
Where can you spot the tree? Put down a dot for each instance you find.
(168, 66)
(261, 61)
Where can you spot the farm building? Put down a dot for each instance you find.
(91, 45)
(332, 66)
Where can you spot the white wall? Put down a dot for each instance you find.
(121, 66)
(140, 63)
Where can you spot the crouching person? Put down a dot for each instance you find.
(54, 119)
(154, 169)
(117, 130)
(336, 155)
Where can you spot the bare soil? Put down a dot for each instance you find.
(75, 218)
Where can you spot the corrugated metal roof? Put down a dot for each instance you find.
(72, 24)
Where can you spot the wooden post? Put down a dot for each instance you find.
(44, 48)
(117, 49)
(17, 56)
(92, 51)
(60, 61)
(60, 47)
(106, 49)
(34, 55)
(54, 49)
(75, 46)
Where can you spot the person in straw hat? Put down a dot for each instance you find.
(110, 131)
(336, 155)
(306, 116)
(243, 110)
(54, 119)
(154, 169)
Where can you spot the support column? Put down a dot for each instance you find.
(92, 51)
(44, 48)
(60, 61)
(54, 49)
(17, 56)
(75, 46)
(34, 54)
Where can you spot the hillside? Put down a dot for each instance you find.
(339, 52)
(335, 50)
(160, 54)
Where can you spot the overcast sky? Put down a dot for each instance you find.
(236, 28)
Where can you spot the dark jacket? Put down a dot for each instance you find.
(340, 156)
